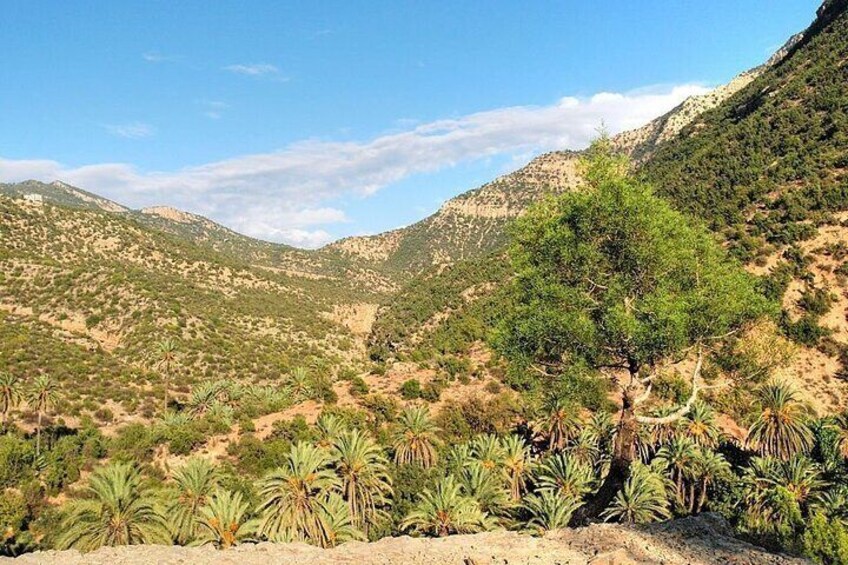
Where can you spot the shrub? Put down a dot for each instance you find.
(16, 459)
(358, 386)
(432, 391)
(411, 389)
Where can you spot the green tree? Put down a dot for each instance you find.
(292, 495)
(223, 520)
(516, 463)
(643, 498)
(612, 279)
(559, 423)
(679, 456)
(781, 430)
(10, 395)
(415, 438)
(194, 483)
(549, 510)
(119, 510)
(41, 397)
(166, 355)
(708, 466)
(564, 475)
(444, 510)
(362, 469)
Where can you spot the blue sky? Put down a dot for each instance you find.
(303, 122)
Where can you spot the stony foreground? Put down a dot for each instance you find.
(706, 539)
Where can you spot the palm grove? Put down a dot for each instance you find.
(613, 291)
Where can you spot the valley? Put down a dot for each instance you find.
(522, 359)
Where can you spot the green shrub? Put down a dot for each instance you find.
(410, 389)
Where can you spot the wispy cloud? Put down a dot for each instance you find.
(134, 130)
(288, 195)
(253, 69)
(213, 109)
(156, 57)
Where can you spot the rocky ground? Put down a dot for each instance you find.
(706, 539)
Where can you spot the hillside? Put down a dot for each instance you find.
(705, 540)
(763, 161)
(96, 290)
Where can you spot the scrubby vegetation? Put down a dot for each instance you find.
(634, 369)
(557, 452)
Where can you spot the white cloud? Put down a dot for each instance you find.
(134, 130)
(284, 195)
(213, 109)
(156, 57)
(253, 69)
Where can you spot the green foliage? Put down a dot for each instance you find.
(772, 152)
(411, 389)
(120, 512)
(16, 461)
(445, 510)
(613, 276)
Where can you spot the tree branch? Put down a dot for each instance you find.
(684, 409)
(644, 396)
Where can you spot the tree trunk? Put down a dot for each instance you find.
(38, 436)
(165, 399)
(703, 498)
(623, 454)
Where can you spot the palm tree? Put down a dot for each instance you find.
(223, 520)
(678, 455)
(549, 510)
(10, 395)
(564, 475)
(601, 427)
(300, 383)
(559, 424)
(336, 522)
(516, 462)
(444, 510)
(776, 492)
(701, 426)
(362, 469)
(642, 499)
(119, 510)
(661, 434)
(487, 449)
(292, 495)
(329, 427)
(782, 428)
(194, 483)
(415, 438)
(203, 398)
(166, 353)
(42, 395)
(584, 448)
(708, 466)
(485, 486)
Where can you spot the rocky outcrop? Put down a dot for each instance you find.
(704, 540)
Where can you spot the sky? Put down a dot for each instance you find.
(303, 122)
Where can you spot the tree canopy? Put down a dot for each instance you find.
(612, 276)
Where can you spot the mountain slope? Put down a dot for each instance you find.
(766, 167)
(79, 280)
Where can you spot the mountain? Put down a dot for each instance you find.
(91, 292)
(762, 159)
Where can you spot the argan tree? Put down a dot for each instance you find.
(611, 280)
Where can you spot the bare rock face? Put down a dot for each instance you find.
(705, 539)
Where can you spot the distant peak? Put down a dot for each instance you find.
(169, 213)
